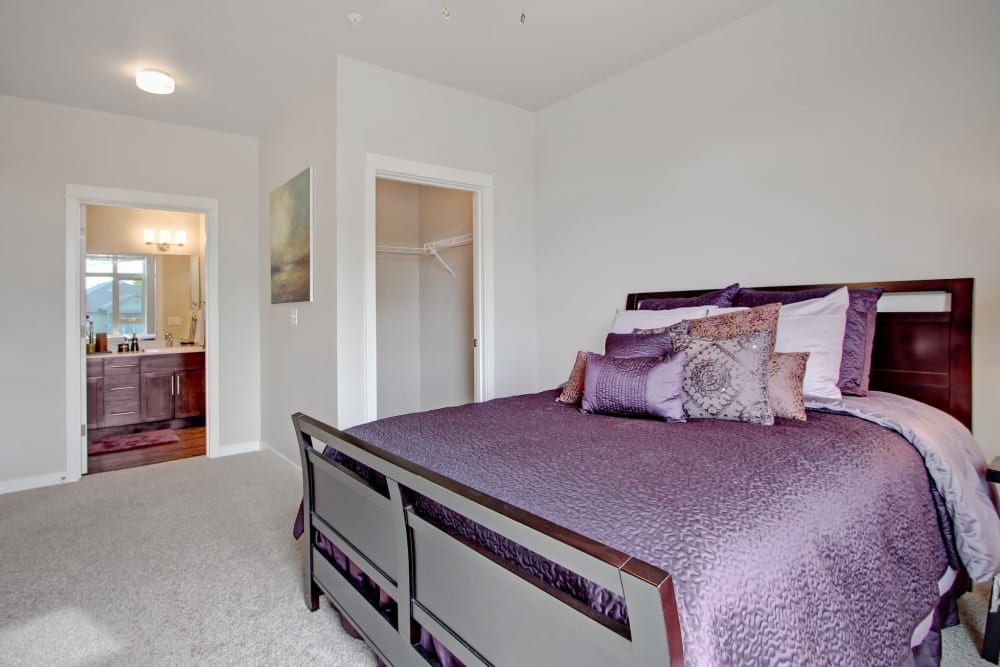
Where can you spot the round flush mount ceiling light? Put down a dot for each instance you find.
(355, 19)
(154, 81)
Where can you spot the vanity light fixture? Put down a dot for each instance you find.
(167, 238)
(154, 81)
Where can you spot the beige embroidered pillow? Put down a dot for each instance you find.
(572, 392)
(785, 372)
(739, 323)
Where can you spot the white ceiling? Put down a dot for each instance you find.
(237, 61)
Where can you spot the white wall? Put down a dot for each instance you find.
(447, 358)
(397, 298)
(387, 113)
(299, 363)
(812, 141)
(44, 147)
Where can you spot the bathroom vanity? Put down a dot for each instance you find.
(133, 391)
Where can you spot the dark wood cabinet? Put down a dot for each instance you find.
(173, 386)
(95, 402)
(121, 392)
(157, 392)
(124, 390)
(189, 399)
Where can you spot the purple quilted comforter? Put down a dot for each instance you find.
(788, 544)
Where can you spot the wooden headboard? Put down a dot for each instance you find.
(923, 355)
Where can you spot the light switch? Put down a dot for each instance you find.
(295, 317)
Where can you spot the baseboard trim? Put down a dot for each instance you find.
(26, 483)
(295, 464)
(238, 448)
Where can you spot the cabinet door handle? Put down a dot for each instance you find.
(119, 414)
(171, 385)
(178, 385)
(119, 388)
(123, 365)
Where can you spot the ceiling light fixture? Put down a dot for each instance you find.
(355, 19)
(154, 81)
(445, 14)
(523, 18)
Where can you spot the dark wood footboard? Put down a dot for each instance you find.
(481, 608)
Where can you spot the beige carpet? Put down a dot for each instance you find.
(191, 563)
(183, 563)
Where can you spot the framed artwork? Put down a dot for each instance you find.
(291, 240)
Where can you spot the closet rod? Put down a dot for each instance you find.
(429, 248)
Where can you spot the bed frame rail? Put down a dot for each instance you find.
(483, 609)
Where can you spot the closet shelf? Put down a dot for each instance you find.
(429, 248)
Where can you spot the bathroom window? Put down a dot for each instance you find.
(119, 289)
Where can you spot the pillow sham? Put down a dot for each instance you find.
(785, 371)
(727, 378)
(859, 332)
(722, 298)
(572, 391)
(634, 387)
(816, 326)
(738, 323)
(627, 320)
(638, 345)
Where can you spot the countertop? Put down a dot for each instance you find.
(176, 349)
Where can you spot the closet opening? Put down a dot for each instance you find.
(425, 297)
(434, 225)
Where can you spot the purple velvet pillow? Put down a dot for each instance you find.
(638, 345)
(635, 387)
(723, 298)
(859, 334)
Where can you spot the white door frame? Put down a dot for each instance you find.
(481, 185)
(77, 196)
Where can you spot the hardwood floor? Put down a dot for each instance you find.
(192, 443)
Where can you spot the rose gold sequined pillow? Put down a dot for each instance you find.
(739, 323)
(572, 392)
(785, 371)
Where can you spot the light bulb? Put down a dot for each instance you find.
(154, 81)
(149, 236)
(180, 238)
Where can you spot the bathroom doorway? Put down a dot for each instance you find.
(143, 282)
(142, 378)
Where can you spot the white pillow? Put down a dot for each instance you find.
(816, 326)
(627, 320)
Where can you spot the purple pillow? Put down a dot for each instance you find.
(859, 334)
(723, 298)
(635, 387)
(638, 345)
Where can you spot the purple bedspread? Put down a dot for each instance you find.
(794, 543)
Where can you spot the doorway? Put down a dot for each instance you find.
(480, 187)
(424, 297)
(143, 306)
(121, 262)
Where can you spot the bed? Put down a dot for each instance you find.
(434, 551)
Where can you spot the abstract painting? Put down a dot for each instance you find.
(291, 240)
